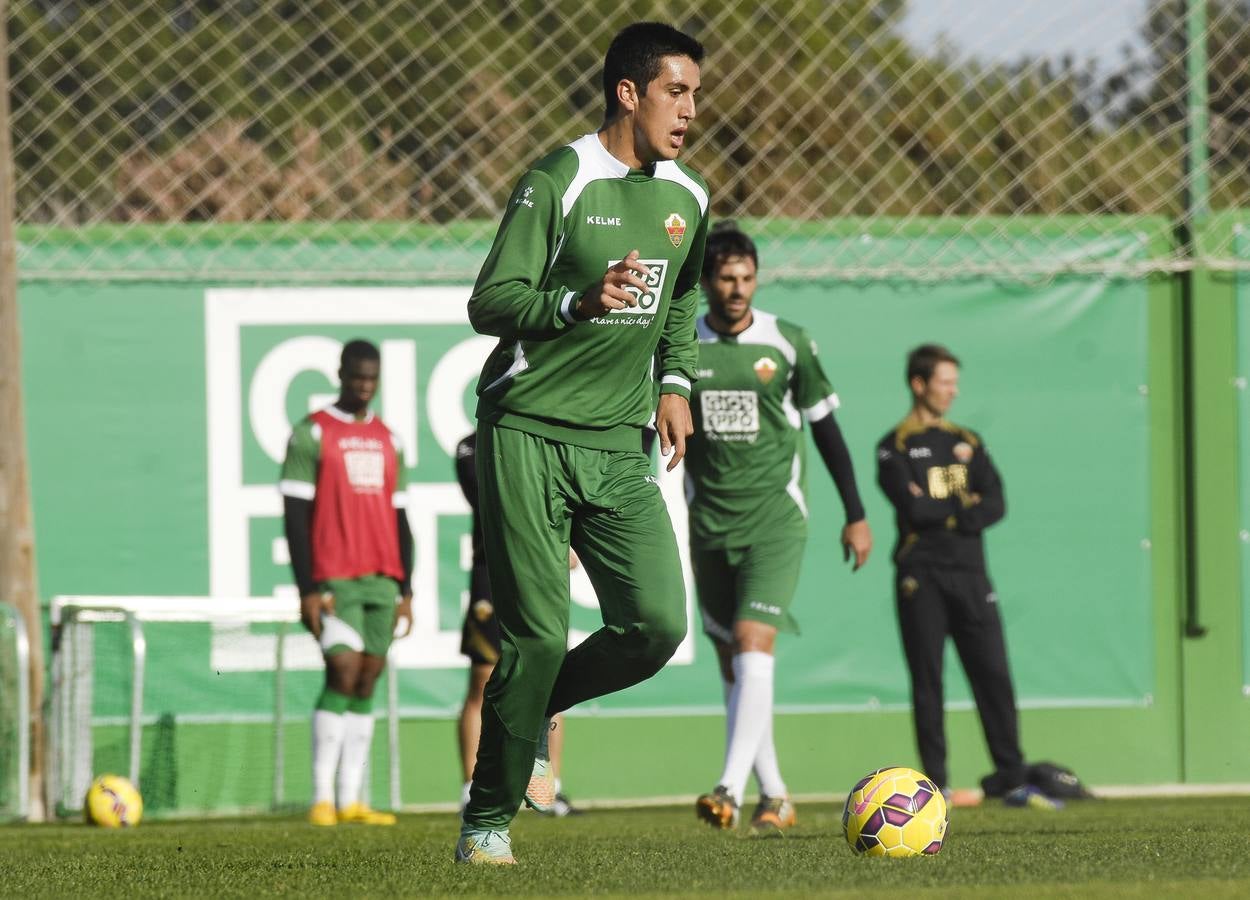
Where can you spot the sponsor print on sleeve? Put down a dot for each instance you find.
(730, 415)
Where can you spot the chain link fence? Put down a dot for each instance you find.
(376, 140)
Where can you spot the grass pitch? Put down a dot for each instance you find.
(1112, 848)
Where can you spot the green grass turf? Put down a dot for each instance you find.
(1121, 848)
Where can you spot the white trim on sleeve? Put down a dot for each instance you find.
(300, 490)
(566, 307)
(677, 380)
(819, 410)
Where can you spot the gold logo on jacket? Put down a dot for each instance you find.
(948, 481)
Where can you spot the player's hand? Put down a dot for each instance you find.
(403, 613)
(610, 292)
(673, 422)
(312, 606)
(915, 489)
(857, 540)
(574, 562)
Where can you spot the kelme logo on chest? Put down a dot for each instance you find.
(614, 221)
(648, 300)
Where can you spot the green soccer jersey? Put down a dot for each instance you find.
(745, 462)
(577, 212)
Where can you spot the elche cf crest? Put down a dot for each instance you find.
(765, 369)
(675, 225)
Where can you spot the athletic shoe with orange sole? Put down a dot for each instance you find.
(718, 809)
(359, 814)
(773, 816)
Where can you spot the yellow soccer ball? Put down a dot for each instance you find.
(895, 811)
(113, 802)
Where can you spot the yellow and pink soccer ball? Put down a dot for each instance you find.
(113, 802)
(895, 811)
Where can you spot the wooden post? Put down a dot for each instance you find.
(17, 539)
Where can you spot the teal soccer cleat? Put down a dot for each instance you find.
(484, 847)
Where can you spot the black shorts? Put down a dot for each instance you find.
(479, 638)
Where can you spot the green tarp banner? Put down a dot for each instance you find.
(158, 415)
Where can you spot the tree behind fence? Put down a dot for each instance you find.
(404, 117)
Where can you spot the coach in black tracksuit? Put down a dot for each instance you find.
(945, 492)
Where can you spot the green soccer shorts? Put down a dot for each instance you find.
(364, 615)
(756, 583)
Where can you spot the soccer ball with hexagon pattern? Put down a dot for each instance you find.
(895, 811)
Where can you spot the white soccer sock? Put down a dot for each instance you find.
(767, 769)
(750, 710)
(730, 709)
(328, 729)
(464, 794)
(356, 744)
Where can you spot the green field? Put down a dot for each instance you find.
(1114, 848)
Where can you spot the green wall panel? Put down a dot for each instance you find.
(158, 412)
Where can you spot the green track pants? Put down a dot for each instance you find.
(536, 498)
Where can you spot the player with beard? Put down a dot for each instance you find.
(759, 379)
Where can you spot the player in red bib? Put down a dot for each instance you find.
(351, 551)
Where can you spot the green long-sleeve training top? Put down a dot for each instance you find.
(577, 212)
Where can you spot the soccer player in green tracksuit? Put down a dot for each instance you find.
(591, 287)
(759, 379)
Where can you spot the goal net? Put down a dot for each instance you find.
(134, 692)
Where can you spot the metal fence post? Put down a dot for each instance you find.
(139, 649)
(392, 729)
(279, 713)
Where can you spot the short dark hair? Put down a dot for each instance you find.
(922, 361)
(359, 349)
(725, 241)
(636, 53)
